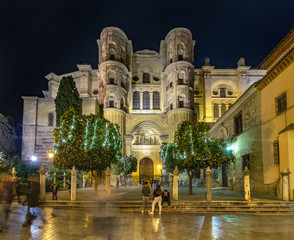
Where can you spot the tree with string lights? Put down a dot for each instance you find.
(193, 149)
(89, 142)
(125, 166)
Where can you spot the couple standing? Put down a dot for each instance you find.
(159, 198)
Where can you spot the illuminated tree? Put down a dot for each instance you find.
(67, 97)
(88, 142)
(125, 166)
(193, 150)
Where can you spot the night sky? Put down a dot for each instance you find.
(39, 37)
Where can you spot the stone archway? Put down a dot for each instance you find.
(146, 169)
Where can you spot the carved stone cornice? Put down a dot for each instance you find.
(276, 70)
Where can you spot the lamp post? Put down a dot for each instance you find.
(50, 155)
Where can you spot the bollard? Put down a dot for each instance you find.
(14, 177)
(208, 185)
(64, 180)
(54, 178)
(107, 180)
(285, 174)
(84, 180)
(42, 172)
(175, 184)
(246, 184)
(73, 189)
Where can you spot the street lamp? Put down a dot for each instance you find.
(34, 158)
(50, 155)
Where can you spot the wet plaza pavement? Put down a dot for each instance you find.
(90, 224)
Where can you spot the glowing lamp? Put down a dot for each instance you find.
(34, 158)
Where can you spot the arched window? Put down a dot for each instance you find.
(181, 102)
(181, 77)
(122, 104)
(146, 100)
(146, 78)
(197, 110)
(112, 51)
(180, 52)
(136, 100)
(223, 108)
(215, 111)
(156, 100)
(111, 77)
(50, 119)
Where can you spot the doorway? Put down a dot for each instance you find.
(146, 169)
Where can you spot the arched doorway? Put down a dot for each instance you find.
(146, 169)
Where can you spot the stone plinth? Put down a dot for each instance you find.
(107, 180)
(285, 174)
(208, 185)
(42, 184)
(175, 184)
(246, 184)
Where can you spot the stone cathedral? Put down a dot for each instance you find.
(147, 93)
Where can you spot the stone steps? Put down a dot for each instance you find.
(277, 207)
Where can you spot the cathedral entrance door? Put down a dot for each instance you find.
(146, 169)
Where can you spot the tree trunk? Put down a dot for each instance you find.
(95, 181)
(191, 175)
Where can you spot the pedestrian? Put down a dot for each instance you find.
(117, 183)
(32, 194)
(157, 199)
(142, 182)
(145, 197)
(54, 191)
(165, 198)
(17, 189)
(69, 186)
(151, 182)
(154, 182)
(7, 187)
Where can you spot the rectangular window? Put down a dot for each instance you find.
(281, 103)
(180, 57)
(246, 161)
(181, 104)
(111, 57)
(223, 108)
(215, 111)
(238, 124)
(111, 103)
(171, 85)
(276, 152)
(180, 81)
(222, 92)
(111, 80)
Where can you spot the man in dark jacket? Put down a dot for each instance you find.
(165, 198)
(157, 199)
(145, 197)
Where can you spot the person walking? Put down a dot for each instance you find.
(117, 183)
(165, 198)
(6, 199)
(145, 197)
(54, 191)
(151, 182)
(157, 199)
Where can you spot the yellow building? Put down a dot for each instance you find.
(277, 112)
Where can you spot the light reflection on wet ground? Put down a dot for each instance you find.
(93, 224)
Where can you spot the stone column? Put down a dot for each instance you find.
(73, 189)
(285, 174)
(151, 100)
(175, 184)
(84, 180)
(107, 180)
(54, 178)
(208, 185)
(42, 184)
(246, 184)
(141, 100)
(64, 180)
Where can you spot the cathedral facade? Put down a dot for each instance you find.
(147, 93)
